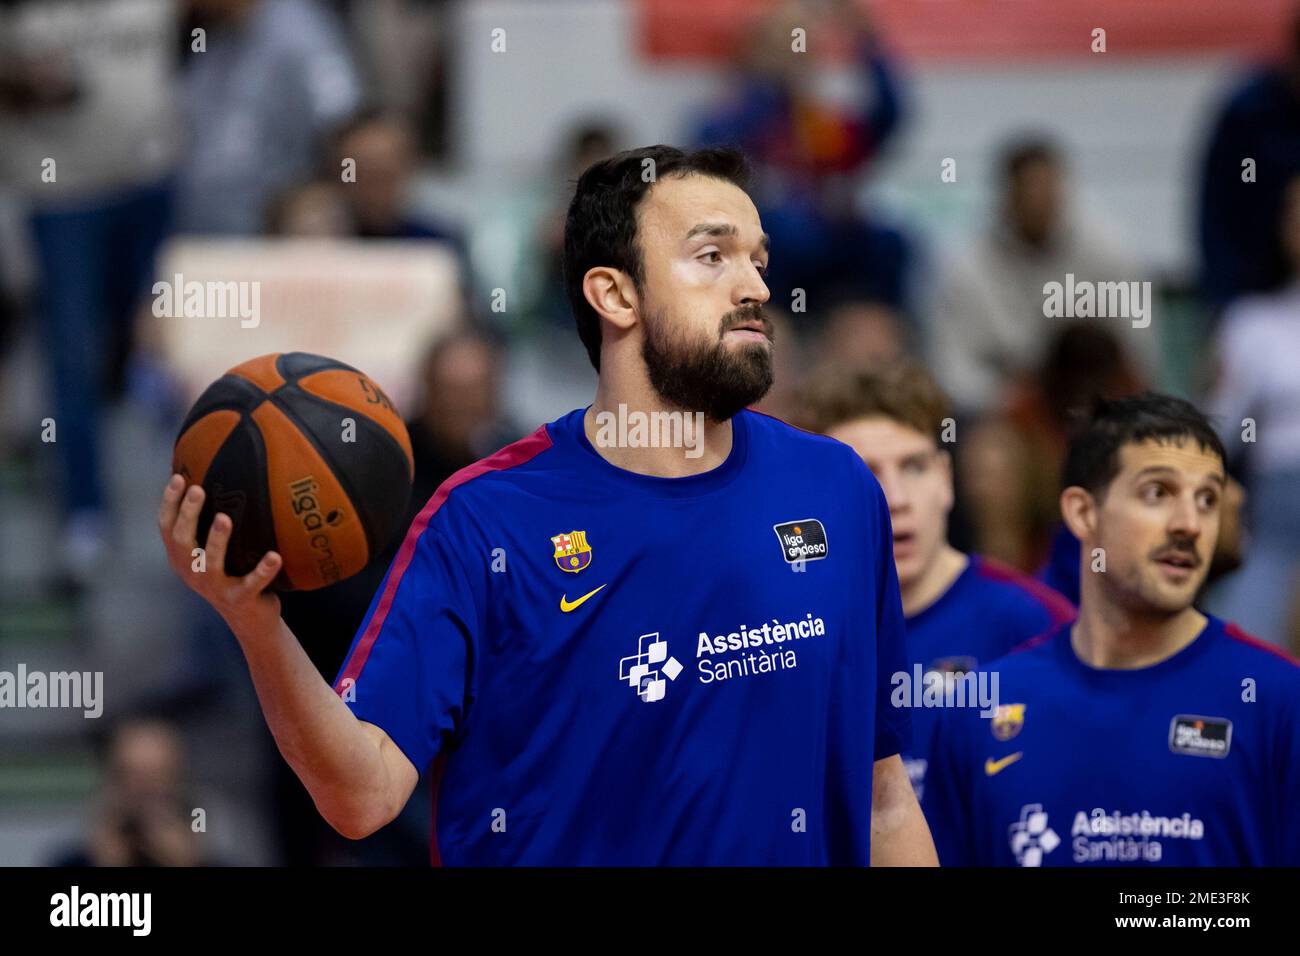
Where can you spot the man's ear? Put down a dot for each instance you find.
(613, 295)
(1079, 511)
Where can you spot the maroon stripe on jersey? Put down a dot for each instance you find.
(508, 457)
(1056, 604)
(1237, 634)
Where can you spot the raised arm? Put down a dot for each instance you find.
(357, 777)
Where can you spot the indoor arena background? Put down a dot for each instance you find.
(438, 275)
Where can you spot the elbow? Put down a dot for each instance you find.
(351, 829)
(357, 823)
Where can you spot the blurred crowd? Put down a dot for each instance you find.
(154, 141)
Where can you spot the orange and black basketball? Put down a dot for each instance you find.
(308, 457)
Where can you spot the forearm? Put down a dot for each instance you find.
(356, 775)
(341, 760)
(899, 834)
(902, 839)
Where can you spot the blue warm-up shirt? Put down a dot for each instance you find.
(990, 609)
(1194, 761)
(613, 668)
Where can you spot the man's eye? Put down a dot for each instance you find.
(762, 269)
(715, 253)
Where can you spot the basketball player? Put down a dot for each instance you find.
(618, 647)
(1147, 732)
(961, 610)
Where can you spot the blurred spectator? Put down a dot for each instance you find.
(406, 49)
(783, 400)
(586, 143)
(1240, 251)
(378, 200)
(460, 420)
(810, 142)
(90, 139)
(1010, 465)
(988, 324)
(859, 335)
(143, 813)
(372, 201)
(1014, 460)
(1256, 404)
(312, 210)
(275, 77)
(1084, 361)
(8, 322)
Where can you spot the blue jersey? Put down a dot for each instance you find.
(620, 669)
(990, 609)
(1194, 761)
(1061, 569)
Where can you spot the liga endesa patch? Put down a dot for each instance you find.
(1200, 736)
(802, 540)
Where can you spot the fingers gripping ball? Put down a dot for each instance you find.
(271, 444)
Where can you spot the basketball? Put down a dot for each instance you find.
(308, 457)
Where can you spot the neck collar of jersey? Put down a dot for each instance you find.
(960, 581)
(569, 430)
(1174, 662)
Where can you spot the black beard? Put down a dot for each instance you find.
(704, 377)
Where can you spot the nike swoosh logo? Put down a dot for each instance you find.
(992, 767)
(566, 605)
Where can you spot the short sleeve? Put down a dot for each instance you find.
(946, 801)
(410, 669)
(893, 724)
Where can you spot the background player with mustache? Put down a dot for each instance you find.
(1147, 732)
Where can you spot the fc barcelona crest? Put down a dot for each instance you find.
(572, 553)
(1007, 720)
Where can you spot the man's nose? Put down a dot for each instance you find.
(752, 290)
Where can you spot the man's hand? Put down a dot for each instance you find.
(245, 603)
(358, 778)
